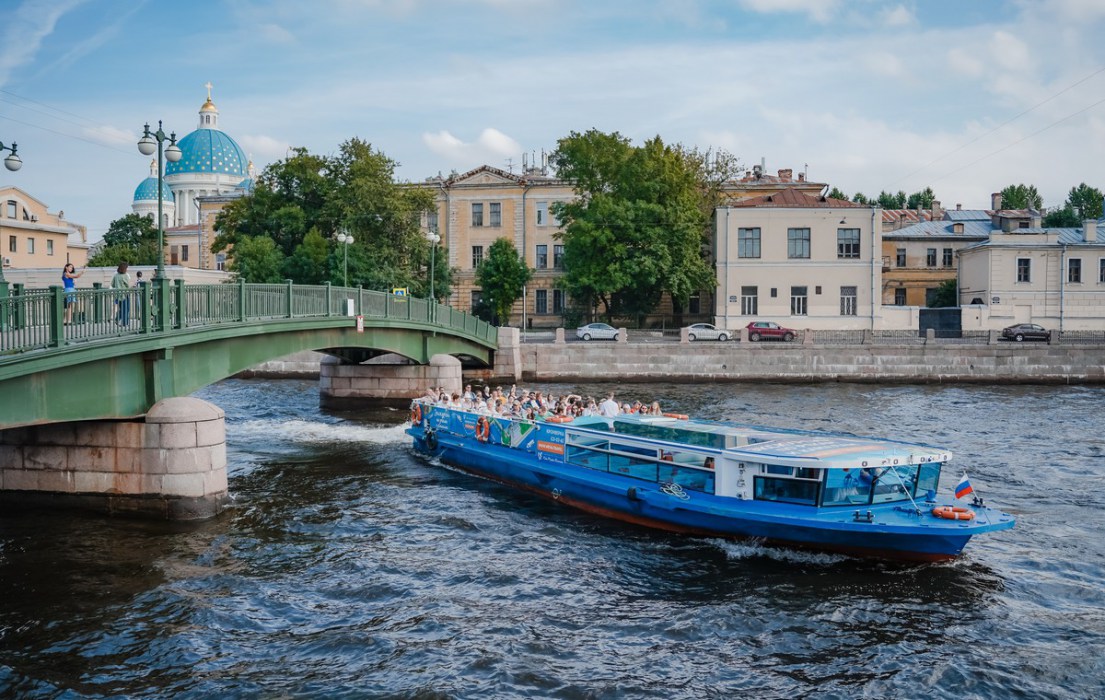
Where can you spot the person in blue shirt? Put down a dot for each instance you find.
(69, 277)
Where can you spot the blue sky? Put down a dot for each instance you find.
(966, 96)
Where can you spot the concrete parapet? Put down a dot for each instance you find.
(559, 340)
(623, 335)
(170, 465)
(684, 335)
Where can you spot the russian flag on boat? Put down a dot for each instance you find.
(963, 487)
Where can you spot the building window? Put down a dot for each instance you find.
(694, 304)
(477, 256)
(30, 246)
(848, 301)
(930, 257)
(847, 243)
(798, 243)
(541, 301)
(899, 258)
(799, 300)
(542, 260)
(174, 255)
(496, 214)
(1101, 270)
(1074, 270)
(1024, 269)
(748, 243)
(12, 244)
(431, 220)
(49, 247)
(220, 261)
(558, 257)
(477, 214)
(11, 209)
(750, 301)
(1022, 224)
(184, 253)
(949, 257)
(542, 213)
(899, 296)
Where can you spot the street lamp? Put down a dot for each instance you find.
(146, 146)
(345, 239)
(12, 163)
(434, 238)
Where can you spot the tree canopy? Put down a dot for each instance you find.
(641, 222)
(1021, 197)
(502, 276)
(131, 239)
(302, 202)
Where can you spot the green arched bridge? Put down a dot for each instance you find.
(113, 354)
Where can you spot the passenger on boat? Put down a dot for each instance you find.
(654, 409)
(609, 407)
(709, 463)
(469, 395)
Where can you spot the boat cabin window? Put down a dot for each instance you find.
(792, 485)
(867, 485)
(654, 463)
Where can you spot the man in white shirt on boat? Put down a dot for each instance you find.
(609, 407)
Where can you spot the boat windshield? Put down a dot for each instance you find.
(872, 485)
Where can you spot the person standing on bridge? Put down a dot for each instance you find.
(69, 277)
(121, 282)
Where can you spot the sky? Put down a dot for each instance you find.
(965, 96)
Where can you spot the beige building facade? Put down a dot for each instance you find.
(31, 236)
(799, 260)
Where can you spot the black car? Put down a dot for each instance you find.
(1025, 331)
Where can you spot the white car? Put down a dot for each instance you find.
(597, 331)
(706, 331)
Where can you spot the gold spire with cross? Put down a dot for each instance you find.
(208, 106)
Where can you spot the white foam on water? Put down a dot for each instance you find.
(307, 431)
(749, 550)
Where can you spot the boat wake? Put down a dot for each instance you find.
(306, 432)
(755, 550)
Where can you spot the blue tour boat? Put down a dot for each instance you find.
(839, 493)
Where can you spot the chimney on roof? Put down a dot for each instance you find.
(958, 206)
(995, 201)
(937, 211)
(1089, 230)
(785, 173)
(801, 177)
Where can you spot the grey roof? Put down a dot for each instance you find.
(1067, 236)
(972, 230)
(966, 215)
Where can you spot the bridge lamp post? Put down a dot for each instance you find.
(345, 239)
(434, 240)
(12, 163)
(146, 146)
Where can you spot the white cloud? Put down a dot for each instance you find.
(886, 64)
(899, 16)
(964, 63)
(111, 136)
(261, 148)
(275, 34)
(27, 27)
(491, 147)
(1010, 53)
(817, 10)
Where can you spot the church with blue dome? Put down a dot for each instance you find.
(212, 164)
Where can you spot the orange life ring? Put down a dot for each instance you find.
(416, 414)
(679, 416)
(483, 429)
(559, 419)
(953, 513)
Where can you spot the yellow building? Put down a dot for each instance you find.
(482, 205)
(33, 237)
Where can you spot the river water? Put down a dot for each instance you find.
(350, 567)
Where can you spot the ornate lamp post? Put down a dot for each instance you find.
(12, 163)
(146, 146)
(345, 239)
(434, 240)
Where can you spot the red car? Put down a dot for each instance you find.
(758, 330)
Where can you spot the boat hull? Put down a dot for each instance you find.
(652, 505)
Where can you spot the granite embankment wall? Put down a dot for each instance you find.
(930, 363)
(934, 362)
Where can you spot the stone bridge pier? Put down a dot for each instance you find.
(388, 378)
(169, 464)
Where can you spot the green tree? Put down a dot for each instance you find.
(837, 193)
(861, 198)
(947, 294)
(641, 223)
(1021, 197)
(892, 201)
(131, 239)
(257, 259)
(921, 200)
(1063, 217)
(1086, 202)
(502, 276)
(353, 191)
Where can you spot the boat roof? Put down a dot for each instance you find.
(804, 448)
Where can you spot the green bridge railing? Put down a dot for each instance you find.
(35, 320)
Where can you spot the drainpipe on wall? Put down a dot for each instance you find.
(725, 276)
(199, 234)
(1062, 284)
(874, 285)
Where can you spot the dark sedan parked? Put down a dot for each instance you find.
(1025, 331)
